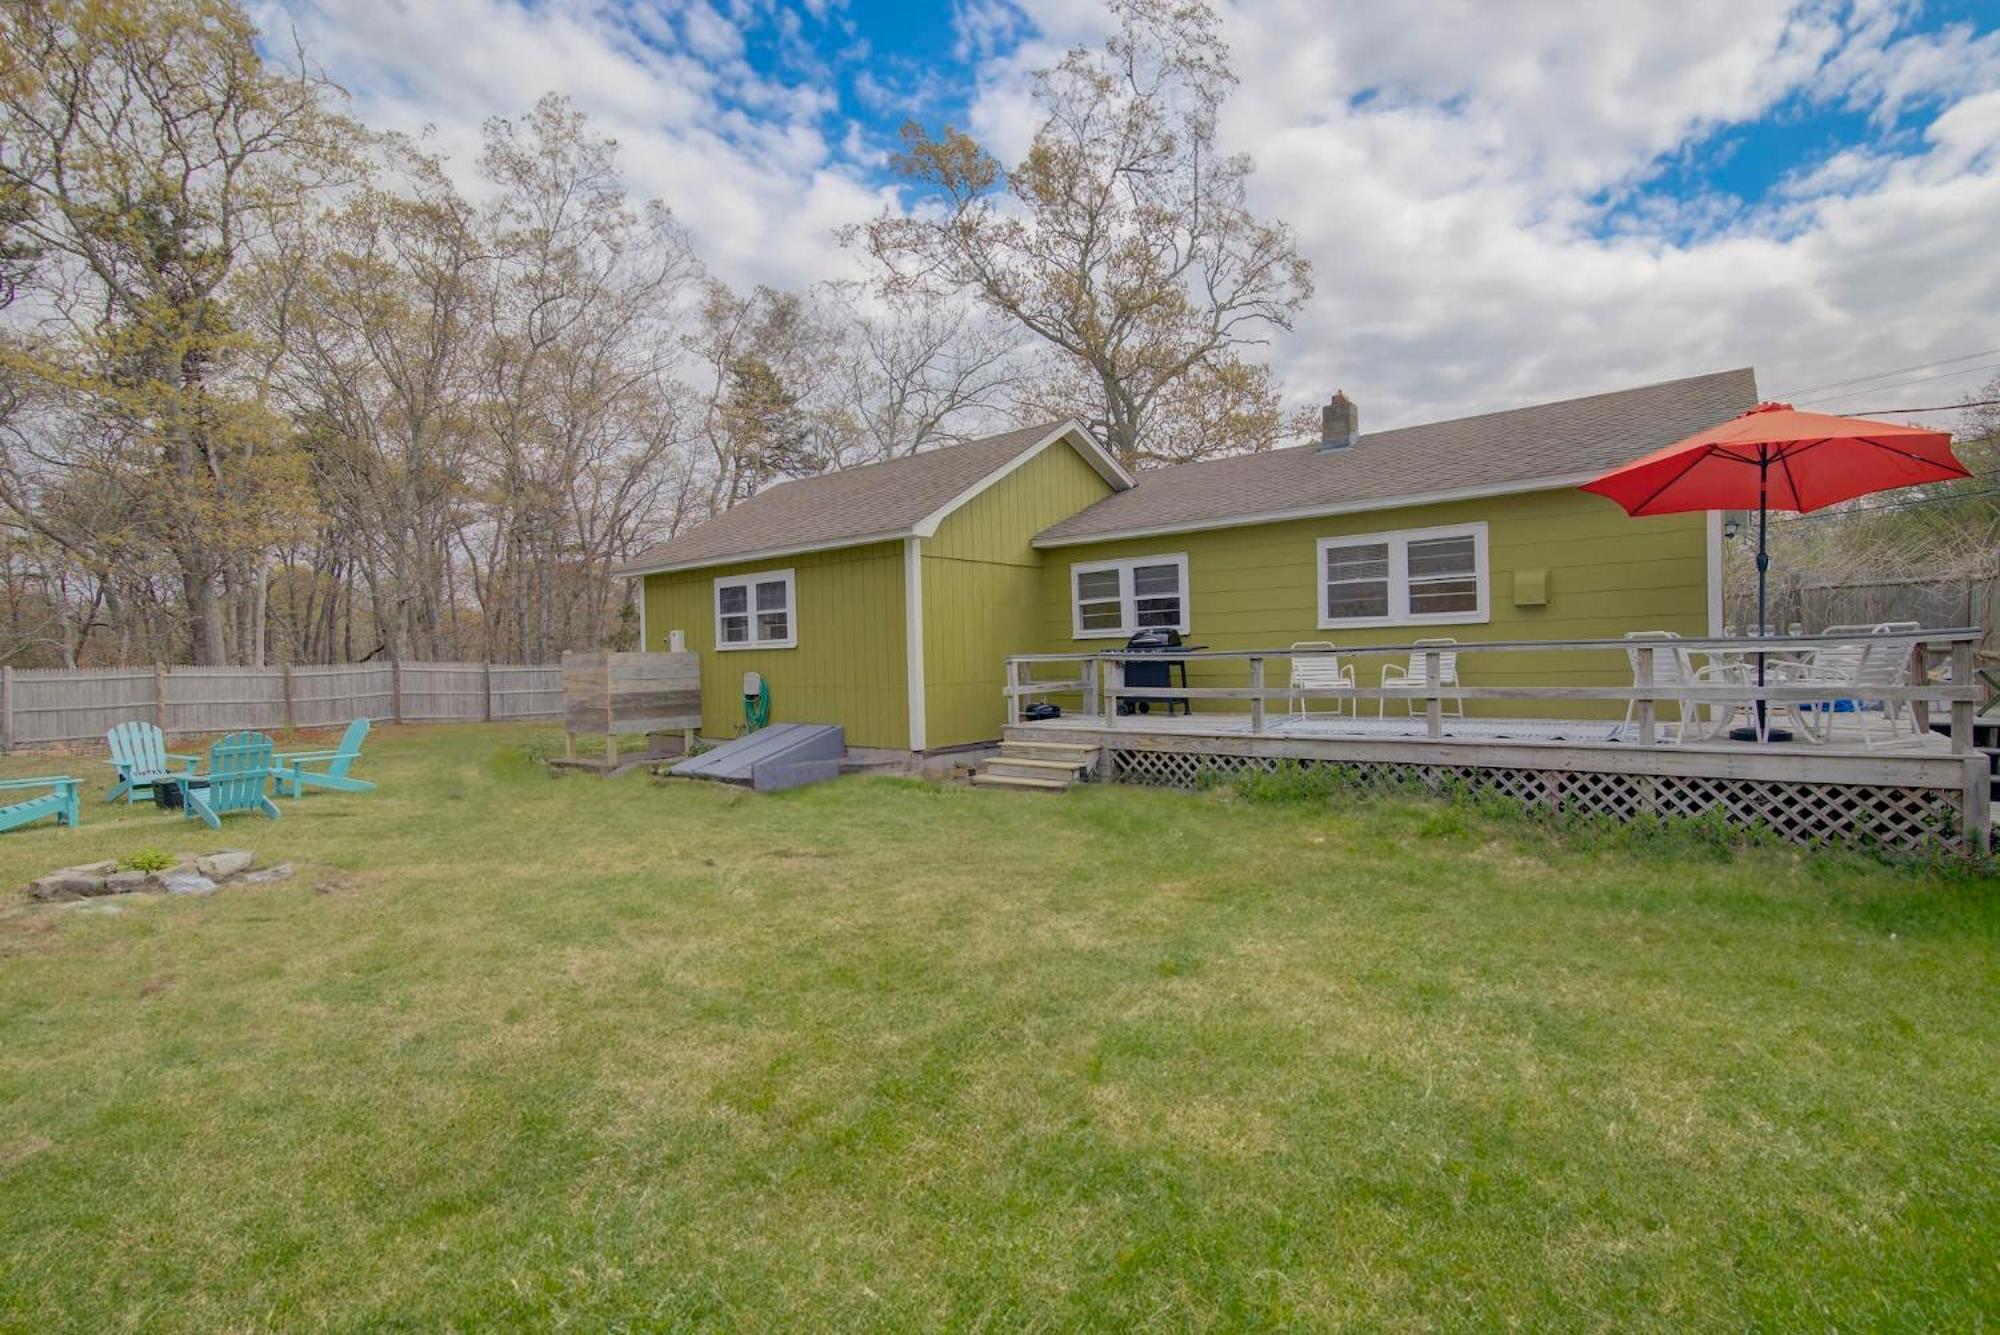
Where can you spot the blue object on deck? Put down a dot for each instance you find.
(783, 755)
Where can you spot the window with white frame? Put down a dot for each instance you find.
(755, 611)
(1417, 577)
(1122, 597)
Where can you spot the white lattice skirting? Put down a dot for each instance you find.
(1882, 816)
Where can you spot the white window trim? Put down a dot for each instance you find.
(1399, 541)
(750, 583)
(1127, 612)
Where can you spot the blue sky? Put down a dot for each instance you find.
(1503, 202)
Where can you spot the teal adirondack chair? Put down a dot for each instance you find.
(62, 803)
(238, 768)
(329, 767)
(139, 750)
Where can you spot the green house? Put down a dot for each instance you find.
(886, 598)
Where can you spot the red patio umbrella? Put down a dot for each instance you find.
(1777, 457)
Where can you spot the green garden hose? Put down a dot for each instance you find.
(757, 708)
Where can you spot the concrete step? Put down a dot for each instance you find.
(1011, 781)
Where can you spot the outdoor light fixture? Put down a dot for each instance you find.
(1731, 527)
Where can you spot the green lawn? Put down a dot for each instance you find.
(518, 1052)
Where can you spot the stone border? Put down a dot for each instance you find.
(191, 874)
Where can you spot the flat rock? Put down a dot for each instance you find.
(69, 883)
(127, 882)
(266, 875)
(226, 863)
(187, 883)
(94, 906)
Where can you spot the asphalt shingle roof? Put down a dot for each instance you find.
(1550, 440)
(885, 499)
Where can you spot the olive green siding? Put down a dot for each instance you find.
(849, 667)
(1257, 586)
(982, 584)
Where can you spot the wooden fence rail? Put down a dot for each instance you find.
(39, 707)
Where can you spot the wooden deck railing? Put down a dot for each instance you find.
(1100, 678)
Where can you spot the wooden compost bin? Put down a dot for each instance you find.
(622, 694)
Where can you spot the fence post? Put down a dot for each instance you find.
(1962, 676)
(1433, 699)
(160, 696)
(1257, 701)
(291, 721)
(1645, 675)
(396, 689)
(486, 684)
(6, 709)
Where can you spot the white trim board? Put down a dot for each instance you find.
(913, 636)
(1093, 454)
(1715, 563)
(1322, 511)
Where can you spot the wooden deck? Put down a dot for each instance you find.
(1847, 737)
(1910, 790)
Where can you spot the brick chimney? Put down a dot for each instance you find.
(1339, 422)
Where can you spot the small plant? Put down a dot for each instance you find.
(146, 859)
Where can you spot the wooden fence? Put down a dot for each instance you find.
(41, 707)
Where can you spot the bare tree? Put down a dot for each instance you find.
(910, 374)
(1123, 239)
(579, 350)
(377, 303)
(151, 154)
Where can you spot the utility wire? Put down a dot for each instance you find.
(1934, 408)
(1884, 375)
(1947, 498)
(1918, 380)
(1918, 504)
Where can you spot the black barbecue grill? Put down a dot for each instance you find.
(1157, 674)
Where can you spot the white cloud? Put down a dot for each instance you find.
(1445, 169)
(741, 159)
(1470, 180)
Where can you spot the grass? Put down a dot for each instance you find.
(518, 1052)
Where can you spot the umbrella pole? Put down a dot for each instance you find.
(1763, 574)
(1762, 731)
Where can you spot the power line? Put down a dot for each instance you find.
(1883, 375)
(1918, 380)
(1934, 408)
(1914, 503)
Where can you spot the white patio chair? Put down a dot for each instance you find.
(1673, 672)
(1412, 678)
(1317, 670)
(1879, 656)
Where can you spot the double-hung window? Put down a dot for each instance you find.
(1122, 597)
(1417, 577)
(756, 611)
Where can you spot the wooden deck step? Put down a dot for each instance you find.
(1082, 755)
(1023, 767)
(989, 780)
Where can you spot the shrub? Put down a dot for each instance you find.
(146, 859)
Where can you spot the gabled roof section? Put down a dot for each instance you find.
(898, 498)
(1522, 449)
